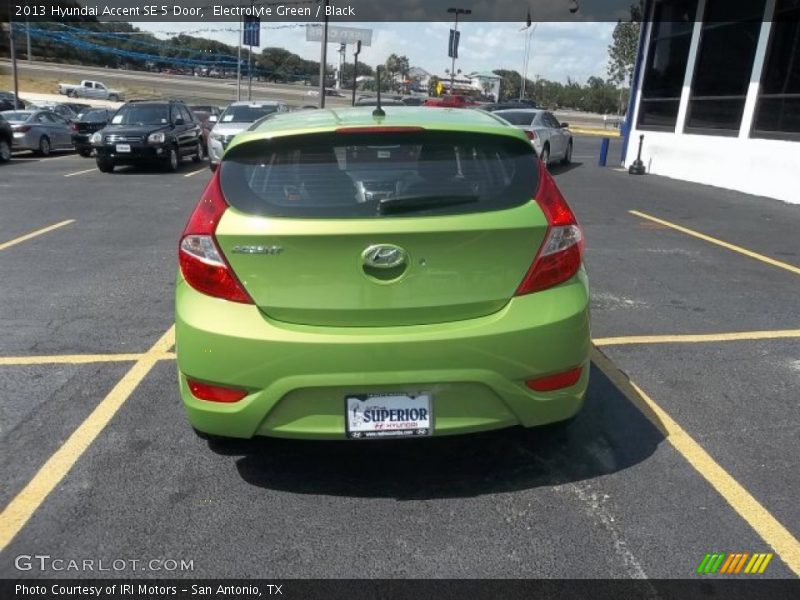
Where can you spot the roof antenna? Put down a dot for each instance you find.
(379, 112)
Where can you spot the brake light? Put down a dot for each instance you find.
(22, 128)
(378, 129)
(214, 393)
(531, 134)
(555, 382)
(202, 264)
(561, 253)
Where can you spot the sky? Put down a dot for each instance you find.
(558, 50)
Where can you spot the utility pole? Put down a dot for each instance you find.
(323, 55)
(249, 61)
(456, 12)
(28, 35)
(239, 63)
(12, 44)
(355, 68)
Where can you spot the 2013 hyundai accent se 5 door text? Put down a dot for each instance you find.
(352, 276)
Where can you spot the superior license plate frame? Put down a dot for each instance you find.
(393, 416)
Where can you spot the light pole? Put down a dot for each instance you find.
(454, 50)
(525, 62)
(323, 56)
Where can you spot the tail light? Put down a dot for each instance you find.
(202, 264)
(555, 382)
(531, 134)
(73, 128)
(214, 393)
(560, 255)
(22, 128)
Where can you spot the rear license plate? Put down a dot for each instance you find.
(388, 415)
(123, 147)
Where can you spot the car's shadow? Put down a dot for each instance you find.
(609, 435)
(558, 168)
(186, 166)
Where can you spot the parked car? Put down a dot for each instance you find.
(236, 118)
(39, 130)
(508, 105)
(86, 124)
(90, 89)
(456, 101)
(6, 139)
(77, 107)
(551, 139)
(7, 102)
(347, 279)
(413, 100)
(203, 114)
(62, 109)
(149, 131)
(373, 101)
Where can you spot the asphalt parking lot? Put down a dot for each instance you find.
(688, 443)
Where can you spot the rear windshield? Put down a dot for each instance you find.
(17, 116)
(386, 175)
(518, 117)
(246, 114)
(97, 115)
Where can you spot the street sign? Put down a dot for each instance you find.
(339, 35)
(452, 48)
(252, 31)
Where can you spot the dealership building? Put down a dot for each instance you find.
(717, 94)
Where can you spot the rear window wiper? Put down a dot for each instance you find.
(423, 201)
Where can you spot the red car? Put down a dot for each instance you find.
(451, 102)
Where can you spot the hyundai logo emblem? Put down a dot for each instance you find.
(384, 256)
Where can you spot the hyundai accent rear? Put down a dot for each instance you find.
(347, 276)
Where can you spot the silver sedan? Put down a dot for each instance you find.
(551, 140)
(39, 130)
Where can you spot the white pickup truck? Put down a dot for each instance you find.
(90, 89)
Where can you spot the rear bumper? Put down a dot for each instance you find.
(298, 375)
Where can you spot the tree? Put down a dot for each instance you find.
(623, 48)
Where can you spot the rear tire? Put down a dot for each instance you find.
(198, 157)
(567, 155)
(105, 165)
(5, 151)
(174, 161)
(545, 157)
(71, 94)
(212, 166)
(113, 98)
(44, 146)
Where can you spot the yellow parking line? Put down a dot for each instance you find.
(754, 514)
(196, 172)
(33, 234)
(81, 172)
(712, 240)
(78, 359)
(626, 340)
(27, 501)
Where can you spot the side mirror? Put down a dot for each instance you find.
(179, 121)
(213, 119)
(564, 125)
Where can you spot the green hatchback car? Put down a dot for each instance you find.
(351, 275)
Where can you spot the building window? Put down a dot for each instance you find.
(724, 65)
(667, 55)
(778, 109)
